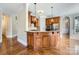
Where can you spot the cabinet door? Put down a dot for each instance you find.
(55, 40)
(45, 41)
(48, 22)
(56, 19)
(37, 23)
(52, 41)
(37, 41)
(30, 39)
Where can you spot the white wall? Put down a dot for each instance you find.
(27, 24)
(14, 25)
(61, 26)
(9, 31)
(18, 27)
(11, 24)
(0, 28)
(22, 37)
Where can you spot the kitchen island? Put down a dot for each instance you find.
(43, 40)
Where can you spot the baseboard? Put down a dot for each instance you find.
(23, 43)
(0, 39)
(18, 39)
(11, 36)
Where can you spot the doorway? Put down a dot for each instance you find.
(66, 32)
(67, 26)
(5, 22)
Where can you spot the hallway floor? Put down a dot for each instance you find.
(10, 49)
(17, 48)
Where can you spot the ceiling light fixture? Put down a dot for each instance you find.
(51, 11)
(40, 12)
(35, 12)
(35, 8)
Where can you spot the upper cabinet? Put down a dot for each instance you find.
(54, 20)
(52, 23)
(48, 21)
(33, 22)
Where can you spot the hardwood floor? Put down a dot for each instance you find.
(44, 52)
(16, 48)
(10, 48)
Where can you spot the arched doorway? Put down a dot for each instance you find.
(67, 26)
(66, 32)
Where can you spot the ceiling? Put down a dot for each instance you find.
(11, 8)
(58, 8)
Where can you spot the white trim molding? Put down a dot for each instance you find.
(11, 36)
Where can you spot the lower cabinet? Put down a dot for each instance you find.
(45, 40)
(37, 41)
(54, 40)
(30, 39)
(41, 40)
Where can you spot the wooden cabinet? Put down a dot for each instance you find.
(35, 21)
(56, 19)
(54, 41)
(48, 21)
(37, 41)
(45, 40)
(30, 39)
(53, 20)
(40, 40)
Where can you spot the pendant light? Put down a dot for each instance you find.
(35, 13)
(35, 8)
(52, 13)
